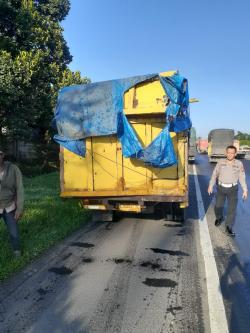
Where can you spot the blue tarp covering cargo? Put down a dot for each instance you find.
(96, 109)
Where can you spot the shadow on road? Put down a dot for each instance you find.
(235, 288)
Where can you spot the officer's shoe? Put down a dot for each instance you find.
(230, 232)
(218, 222)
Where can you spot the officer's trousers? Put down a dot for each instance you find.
(231, 194)
(11, 223)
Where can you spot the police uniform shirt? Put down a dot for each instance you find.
(229, 172)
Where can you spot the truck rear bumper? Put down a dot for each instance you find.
(136, 204)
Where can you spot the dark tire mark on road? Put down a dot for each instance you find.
(159, 283)
(120, 261)
(170, 252)
(153, 265)
(84, 245)
(173, 309)
(87, 260)
(181, 233)
(42, 291)
(60, 270)
(173, 225)
(66, 256)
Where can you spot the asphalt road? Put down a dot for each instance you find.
(140, 274)
(232, 255)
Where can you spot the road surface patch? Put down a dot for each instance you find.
(42, 291)
(217, 314)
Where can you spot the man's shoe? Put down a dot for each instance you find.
(230, 232)
(218, 222)
(17, 253)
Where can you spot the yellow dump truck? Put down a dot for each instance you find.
(105, 180)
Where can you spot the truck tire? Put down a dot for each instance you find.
(170, 211)
(179, 214)
(102, 216)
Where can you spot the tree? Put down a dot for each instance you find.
(244, 138)
(34, 60)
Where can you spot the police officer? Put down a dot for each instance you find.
(228, 172)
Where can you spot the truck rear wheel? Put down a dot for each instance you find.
(178, 213)
(102, 216)
(170, 211)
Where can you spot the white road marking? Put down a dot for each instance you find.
(217, 314)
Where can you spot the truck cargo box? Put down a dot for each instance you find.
(218, 140)
(104, 179)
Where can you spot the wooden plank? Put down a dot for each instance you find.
(104, 152)
(173, 190)
(89, 161)
(136, 198)
(61, 158)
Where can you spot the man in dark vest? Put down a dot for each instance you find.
(11, 199)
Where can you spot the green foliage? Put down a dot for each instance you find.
(33, 64)
(245, 143)
(46, 220)
(242, 136)
(57, 10)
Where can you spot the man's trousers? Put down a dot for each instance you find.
(11, 223)
(231, 194)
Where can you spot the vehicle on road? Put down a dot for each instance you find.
(131, 160)
(240, 153)
(192, 148)
(218, 140)
(245, 150)
(202, 146)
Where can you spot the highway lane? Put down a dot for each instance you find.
(232, 255)
(137, 275)
(140, 274)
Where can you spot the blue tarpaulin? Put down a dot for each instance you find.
(96, 109)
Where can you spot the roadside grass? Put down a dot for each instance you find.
(47, 219)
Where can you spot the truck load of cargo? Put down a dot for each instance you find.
(192, 150)
(124, 143)
(218, 140)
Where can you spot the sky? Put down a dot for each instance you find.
(207, 41)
